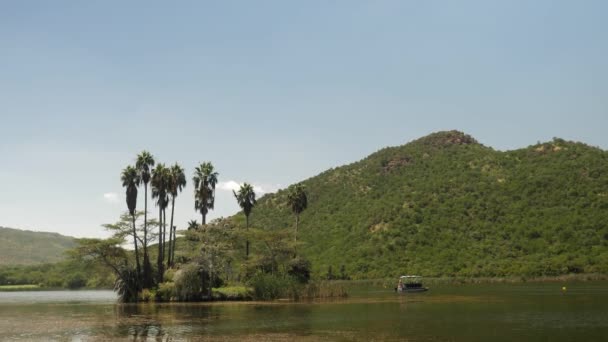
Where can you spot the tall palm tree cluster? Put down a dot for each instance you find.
(166, 184)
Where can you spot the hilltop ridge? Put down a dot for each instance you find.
(444, 204)
(25, 247)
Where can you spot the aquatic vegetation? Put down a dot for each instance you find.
(267, 286)
(324, 289)
(232, 293)
(19, 288)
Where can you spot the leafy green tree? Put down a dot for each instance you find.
(205, 179)
(298, 201)
(216, 254)
(130, 180)
(122, 229)
(161, 178)
(144, 164)
(176, 184)
(246, 199)
(106, 251)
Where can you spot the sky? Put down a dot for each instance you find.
(273, 92)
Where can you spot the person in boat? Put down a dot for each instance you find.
(400, 285)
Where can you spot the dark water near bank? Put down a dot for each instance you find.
(497, 312)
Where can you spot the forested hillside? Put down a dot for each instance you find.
(24, 247)
(448, 205)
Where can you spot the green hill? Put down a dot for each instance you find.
(448, 205)
(24, 247)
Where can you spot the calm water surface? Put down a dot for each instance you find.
(497, 312)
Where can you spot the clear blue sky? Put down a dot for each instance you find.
(273, 92)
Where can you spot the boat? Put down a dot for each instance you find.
(410, 283)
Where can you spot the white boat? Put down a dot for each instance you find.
(410, 283)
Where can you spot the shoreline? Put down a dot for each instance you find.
(579, 277)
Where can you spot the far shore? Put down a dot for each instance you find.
(495, 280)
(390, 282)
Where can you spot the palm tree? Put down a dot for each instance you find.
(192, 224)
(176, 184)
(205, 179)
(160, 187)
(246, 199)
(130, 180)
(144, 164)
(297, 200)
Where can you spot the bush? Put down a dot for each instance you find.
(127, 285)
(166, 291)
(270, 286)
(256, 265)
(169, 274)
(146, 295)
(76, 281)
(299, 269)
(232, 293)
(191, 283)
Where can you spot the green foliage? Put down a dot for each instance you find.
(146, 295)
(205, 179)
(166, 291)
(267, 286)
(445, 205)
(299, 269)
(76, 281)
(245, 198)
(324, 289)
(127, 285)
(191, 283)
(64, 274)
(297, 199)
(24, 247)
(232, 293)
(11, 288)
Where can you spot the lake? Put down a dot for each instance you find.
(497, 312)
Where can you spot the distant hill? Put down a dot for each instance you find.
(24, 247)
(447, 205)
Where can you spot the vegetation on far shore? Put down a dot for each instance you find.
(447, 206)
(443, 206)
(9, 288)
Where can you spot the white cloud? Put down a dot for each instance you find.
(232, 185)
(111, 197)
(228, 186)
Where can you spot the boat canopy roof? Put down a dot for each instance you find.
(410, 276)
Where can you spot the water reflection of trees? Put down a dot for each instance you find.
(174, 321)
(162, 322)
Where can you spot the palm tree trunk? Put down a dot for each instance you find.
(173, 248)
(204, 221)
(295, 247)
(164, 233)
(169, 257)
(159, 260)
(146, 275)
(247, 241)
(136, 250)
